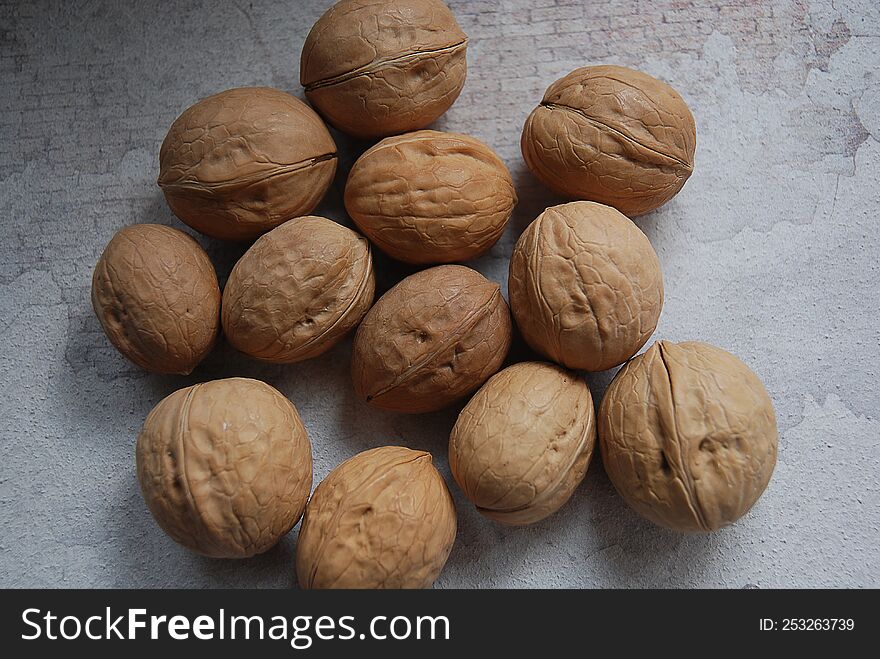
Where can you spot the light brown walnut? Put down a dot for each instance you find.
(688, 436)
(155, 293)
(585, 286)
(381, 67)
(430, 197)
(612, 135)
(241, 162)
(382, 519)
(432, 339)
(523, 443)
(225, 467)
(298, 291)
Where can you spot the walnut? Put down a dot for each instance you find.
(523, 443)
(585, 286)
(430, 197)
(382, 519)
(298, 291)
(225, 467)
(156, 295)
(241, 162)
(380, 67)
(612, 135)
(688, 436)
(432, 339)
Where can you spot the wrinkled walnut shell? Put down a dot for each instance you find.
(523, 443)
(430, 197)
(241, 162)
(381, 67)
(585, 286)
(156, 295)
(432, 339)
(382, 519)
(225, 467)
(612, 135)
(298, 291)
(688, 436)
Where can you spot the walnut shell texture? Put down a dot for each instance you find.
(434, 338)
(156, 296)
(381, 67)
(298, 291)
(523, 443)
(225, 467)
(688, 436)
(241, 162)
(612, 135)
(585, 286)
(382, 519)
(430, 197)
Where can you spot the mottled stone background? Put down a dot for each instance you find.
(771, 251)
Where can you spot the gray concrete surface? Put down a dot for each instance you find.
(770, 251)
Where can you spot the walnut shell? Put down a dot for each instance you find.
(156, 295)
(688, 436)
(430, 197)
(523, 443)
(298, 291)
(382, 519)
(612, 135)
(432, 339)
(243, 161)
(380, 67)
(585, 286)
(225, 467)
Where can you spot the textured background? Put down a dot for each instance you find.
(770, 251)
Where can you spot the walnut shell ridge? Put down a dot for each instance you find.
(298, 291)
(241, 162)
(523, 443)
(430, 197)
(155, 293)
(382, 519)
(688, 436)
(433, 338)
(225, 467)
(381, 67)
(612, 135)
(585, 286)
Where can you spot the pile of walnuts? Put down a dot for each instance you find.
(686, 431)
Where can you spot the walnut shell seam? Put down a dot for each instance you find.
(319, 552)
(689, 167)
(198, 518)
(189, 183)
(552, 489)
(365, 281)
(469, 322)
(380, 63)
(676, 466)
(353, 302)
